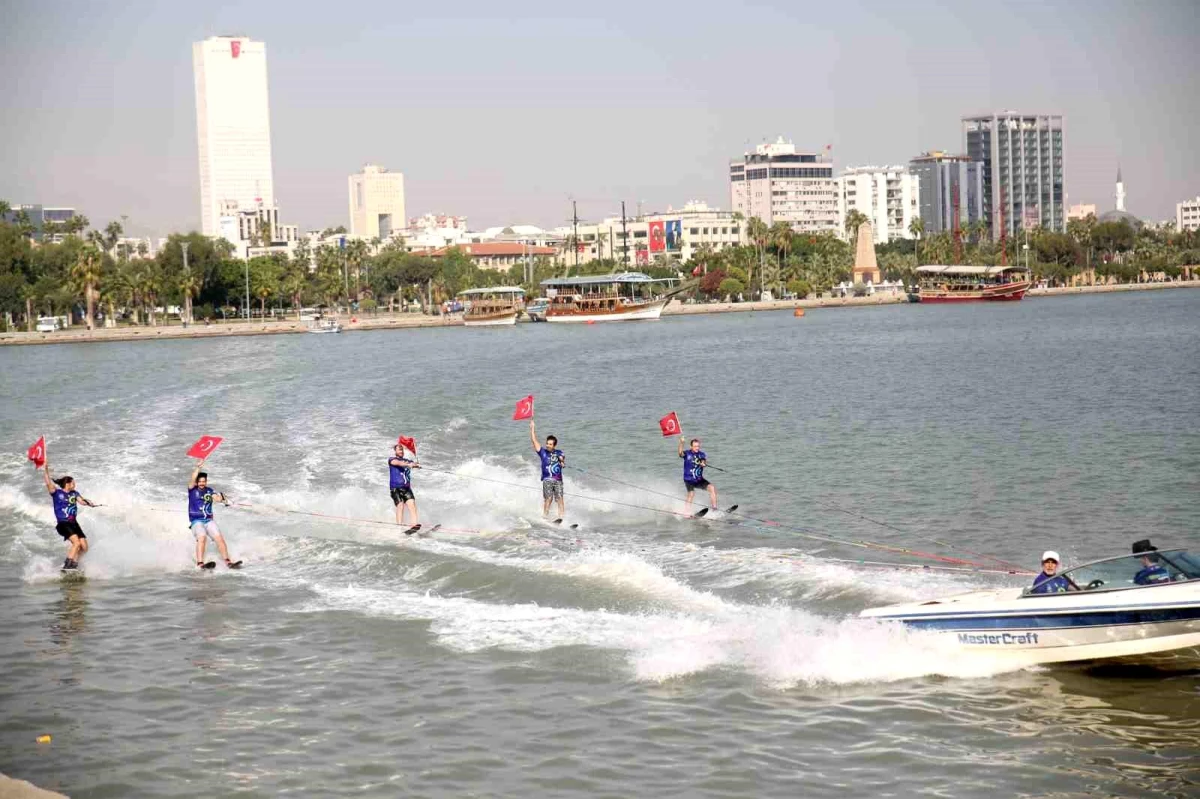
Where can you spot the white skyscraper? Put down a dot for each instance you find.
(376, 202)
(233, 128)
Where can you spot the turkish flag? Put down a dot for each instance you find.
(670, 425)
(204, 447)
(524, 409)
(37, 453)
(697, 271)
(235, 48)
(408, 443)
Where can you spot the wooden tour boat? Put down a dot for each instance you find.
(499, 305)
(970, 283)
(606, 298)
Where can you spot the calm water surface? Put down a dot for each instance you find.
(641, 655)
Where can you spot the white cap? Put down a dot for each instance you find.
(1050, 554)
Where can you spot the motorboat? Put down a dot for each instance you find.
(536, 310)
(325, 326)
(1139, 609)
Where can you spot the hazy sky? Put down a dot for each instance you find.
(504, 111)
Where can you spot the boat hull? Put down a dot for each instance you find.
(1159, 626)
(491, 320)
(650, 310)
(1009, 292)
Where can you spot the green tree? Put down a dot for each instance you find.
(916, 227)
(854, 220)
(86, 274)
(731, 288)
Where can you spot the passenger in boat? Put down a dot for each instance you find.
(1049, 581)
(1152, 569)
(694, 461)
(553, 461)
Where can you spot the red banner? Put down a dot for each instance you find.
(642, 258)
(408, 443)
(204, 447)
(37, 453)
(235, 48)
(670, 426)
(524, 409)
(658, 236)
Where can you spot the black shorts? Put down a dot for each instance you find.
(68, 529)
(701, 485)
(402, 495)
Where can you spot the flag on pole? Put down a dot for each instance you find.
(408, 443)
(204, 447)
(670, 425)
(37, 453)
(524, 409)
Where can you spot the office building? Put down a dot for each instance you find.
(778, 184)
(46, 223)
(1187, 215)
(376, 203)
(1023, 169)
(887, 196)
(675, 235)
(946, 182)
(233, 128)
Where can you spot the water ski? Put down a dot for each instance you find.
(430, 531)
(700, 514)
(212, 564)
(71, 574)
(414, 529)
(570, 527)
(237, 564)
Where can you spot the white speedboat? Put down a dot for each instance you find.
(1141, 609)
(325, 326)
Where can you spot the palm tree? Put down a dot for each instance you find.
(760, 235)
(4, 208)
(189, 284)
(781, 239)
(86, 273)
(854, 220)
(916, 227)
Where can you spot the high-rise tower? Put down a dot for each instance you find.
(233, 128)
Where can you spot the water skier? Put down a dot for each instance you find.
(66, 505)
(553, 461)
(200, 517)
(400, 485)
(694, 461)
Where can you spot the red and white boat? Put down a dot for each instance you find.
(970, 283)
(606, 298)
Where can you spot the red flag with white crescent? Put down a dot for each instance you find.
(524, 409)
(408, 443)
(204, 447)
(670, 425)
(37, 453)
(235, 48)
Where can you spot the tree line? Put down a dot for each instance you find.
(89, 271)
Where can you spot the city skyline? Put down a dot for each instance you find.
(505, 120)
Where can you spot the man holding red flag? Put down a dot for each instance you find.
(66, 505)
(400, 483)
(553, 461)
(694, 461)
(200, 517)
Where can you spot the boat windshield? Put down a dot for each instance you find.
(1133, 571)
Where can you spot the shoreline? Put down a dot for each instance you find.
(78, 335)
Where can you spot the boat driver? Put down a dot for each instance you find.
(1152, 569)
(1049, 581)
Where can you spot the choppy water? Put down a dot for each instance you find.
(656, 656)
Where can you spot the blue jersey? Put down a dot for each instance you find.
(66, 504)
(200, 502)
(552, 463)
(401, 476)
(693, 466)
(1045, 584)
(1150, 575)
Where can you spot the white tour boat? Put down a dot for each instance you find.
(606, 298)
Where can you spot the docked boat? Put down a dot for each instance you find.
(536, 310)
(489, 307)
(606, 298)
(970, 283)
(325, 326)
(1113, 614)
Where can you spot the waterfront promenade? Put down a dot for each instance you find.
(385, 321)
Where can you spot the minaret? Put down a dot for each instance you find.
(1120, 191)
